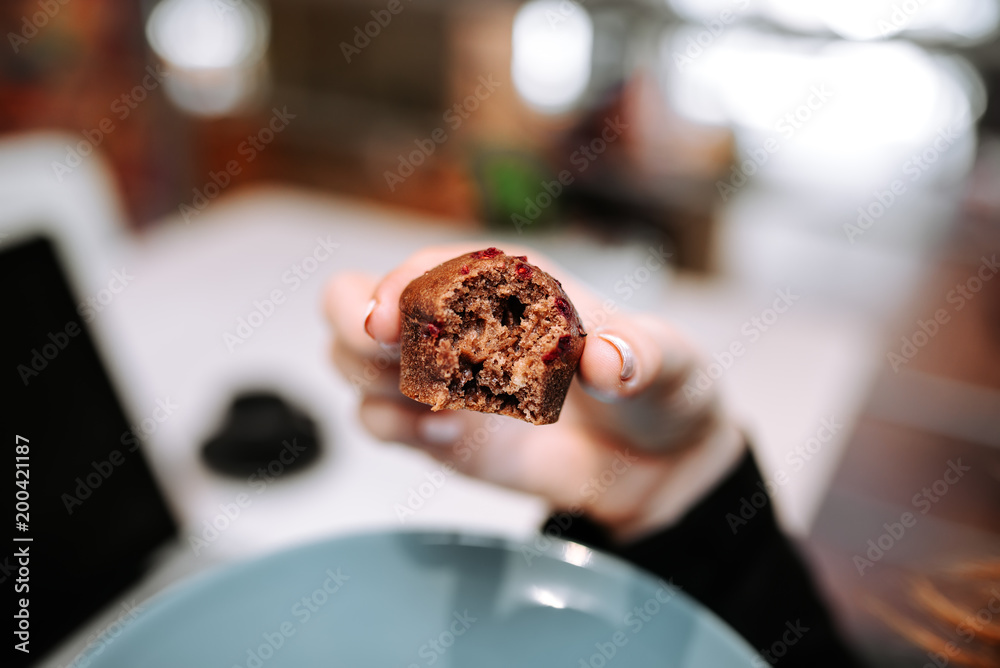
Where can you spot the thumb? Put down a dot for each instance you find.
(639, 366)
(634, 354)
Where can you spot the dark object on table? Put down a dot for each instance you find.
(489, 332)
(262, 432)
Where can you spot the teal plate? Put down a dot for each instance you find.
(409, 600)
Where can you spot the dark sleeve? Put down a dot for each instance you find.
(744, 570)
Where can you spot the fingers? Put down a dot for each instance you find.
(371, 369)
(370, 374)
(388, 420)
(440, 430)
(620, 361)
(643, 360)
(382, 323)
(345, 301)
(497, 449)
(469, 441)
(414, 424)
(632, 355)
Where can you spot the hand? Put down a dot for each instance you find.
(630, 449)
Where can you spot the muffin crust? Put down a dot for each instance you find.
(489, 332)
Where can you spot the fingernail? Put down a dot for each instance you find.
(368, 316)
(624, 352)
(603, 397)
(440, 429)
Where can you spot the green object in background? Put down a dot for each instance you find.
(512, 188)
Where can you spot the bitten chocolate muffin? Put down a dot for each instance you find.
(489, 332)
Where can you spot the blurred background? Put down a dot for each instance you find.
(840, 155)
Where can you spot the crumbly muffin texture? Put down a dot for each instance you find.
(489, 332)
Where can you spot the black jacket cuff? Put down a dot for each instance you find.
(728, 553)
